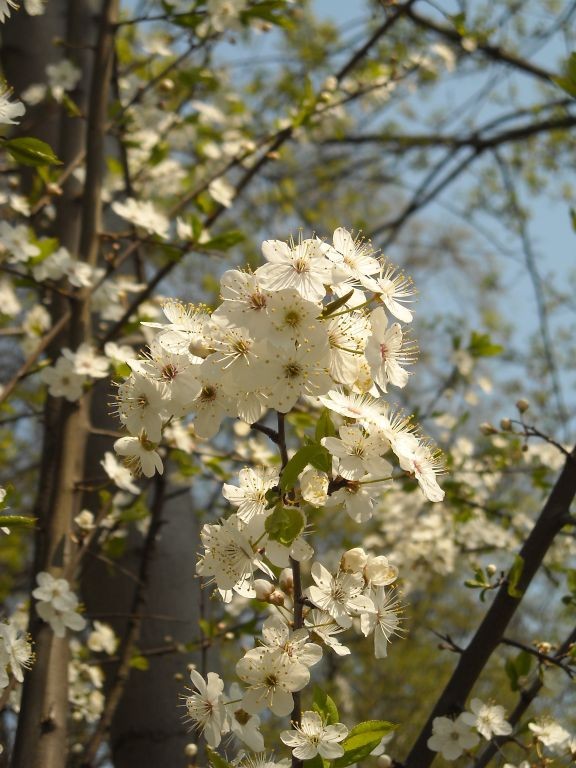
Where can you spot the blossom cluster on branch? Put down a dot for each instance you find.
(309, 329)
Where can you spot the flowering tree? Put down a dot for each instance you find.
(261, 513)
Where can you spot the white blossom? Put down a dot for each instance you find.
(313, 737)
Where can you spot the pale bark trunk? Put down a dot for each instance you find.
(41, 740)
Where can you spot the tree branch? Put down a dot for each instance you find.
(490, 632)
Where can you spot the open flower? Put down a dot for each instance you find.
(488, 719)
(451, 737)
(312, 737)
(205, 708)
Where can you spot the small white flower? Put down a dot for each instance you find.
(340, 596)
(102, 639)
(302, 266)
(205, 709)
(144, 215)
(250, 497)
(63, 380)
(550, 733)
(141, 455)
(385, 623)
(57, 604)
(9, 110)
(5, 6)
(451, 737)
(15, 653)
(272, 678)
(312, 737)
(489, 720)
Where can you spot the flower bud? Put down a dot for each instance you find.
(487, 429)
(384, 762)
(263, 589)
(190, 750)
(522, 405)
(491, 569)
(506, 425)
(286, 580)
(277, 597)
(353, 560)
(379, 572)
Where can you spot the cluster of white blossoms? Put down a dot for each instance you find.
(310, 323)
(307, 329)
(455, 737)
(57, 605)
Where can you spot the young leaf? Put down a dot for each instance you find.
(216, 760)
(30, 151)
(324, 426)
(335, 305)
(514, 577)
(17, 521)
(313, 454)
(325, 706)
(285, 524)
(361, 740)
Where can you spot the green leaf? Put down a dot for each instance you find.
(325, 706)
(223, 242)
(514, 577)
(459, 22)
(285, 524)
(17, 521)
(567, 81)
(335, 305)
(361, 740)
(324, 426)
(216, 760)
(566, 84)
(139, 662)
(482, 346)
(30, 151)
(518, 668)
(313, 454)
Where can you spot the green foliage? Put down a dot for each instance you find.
(216, 760)
(517, 669)
(324, 426)
(223, 242)
(27, 150)
(361, 740)
(567, 81)
(17, 521)
(139, 662)
(325, 706)
(313, 454)
(482, 346)
(285, 524)
(514, 576)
